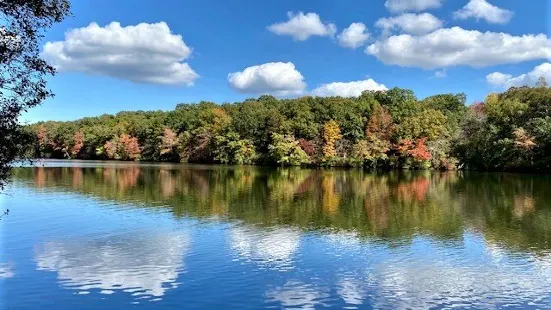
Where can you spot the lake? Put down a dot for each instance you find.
(113, 235)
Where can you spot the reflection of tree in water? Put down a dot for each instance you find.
(507, 208)
(40, 177)
(330, 200)
(168, 182)
(417, 189)
(523, 204)
(377, 204)
(77, 178)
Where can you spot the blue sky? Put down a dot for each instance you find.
(430, 46)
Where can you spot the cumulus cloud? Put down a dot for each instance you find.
(397, 6)
(147, 53)
(354, 36)
(302, 26)
(498, 78)
(409, 23)
(481, 9)
(527, 79)
(456, 46)
(280, 78)
(347, 89)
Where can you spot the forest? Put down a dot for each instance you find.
(390, 129)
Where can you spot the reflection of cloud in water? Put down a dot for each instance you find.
(351, 290)
(274, 247)
(444, 279)
(295, 294)
(138, 264)
(478, 273)
(6, 270)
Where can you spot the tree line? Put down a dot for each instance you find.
(377, 130)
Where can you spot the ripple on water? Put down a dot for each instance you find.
(136, 264)
(271, 248)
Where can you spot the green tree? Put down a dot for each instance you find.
(230, 149)
(286, 151)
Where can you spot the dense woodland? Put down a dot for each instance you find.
(377, 130)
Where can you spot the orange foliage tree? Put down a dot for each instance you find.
(416, 149)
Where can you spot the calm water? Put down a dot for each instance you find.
(115, 235)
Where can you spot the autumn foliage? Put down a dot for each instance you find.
(123, 147)
(416, 149)
(331, 134)
(78, 143)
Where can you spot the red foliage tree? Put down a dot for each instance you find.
(307, 146)
(78, 143)
(478, 109)
(110, 148)
(416, 149)
(379, 123)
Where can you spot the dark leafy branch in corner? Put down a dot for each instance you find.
(5, 213)
(381, 129)
(22, 71)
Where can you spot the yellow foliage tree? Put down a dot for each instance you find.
(331, 134)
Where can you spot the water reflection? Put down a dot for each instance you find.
(429, 273)
(298, 295)
(508, 209)
(410, 284)
(277, 238)
(273, 248)
(6, 270)
(352, 291)
(140, 264)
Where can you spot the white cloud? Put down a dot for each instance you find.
(147, 53)
(397, 6)
(498, 78)
(440, 74)
(481, 9)
(409, 23)
(302, 26)
(456, 46)
(347, 89)
(280, 78)
(527, 79)
(354, 36)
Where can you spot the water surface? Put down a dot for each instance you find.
(109, 235)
